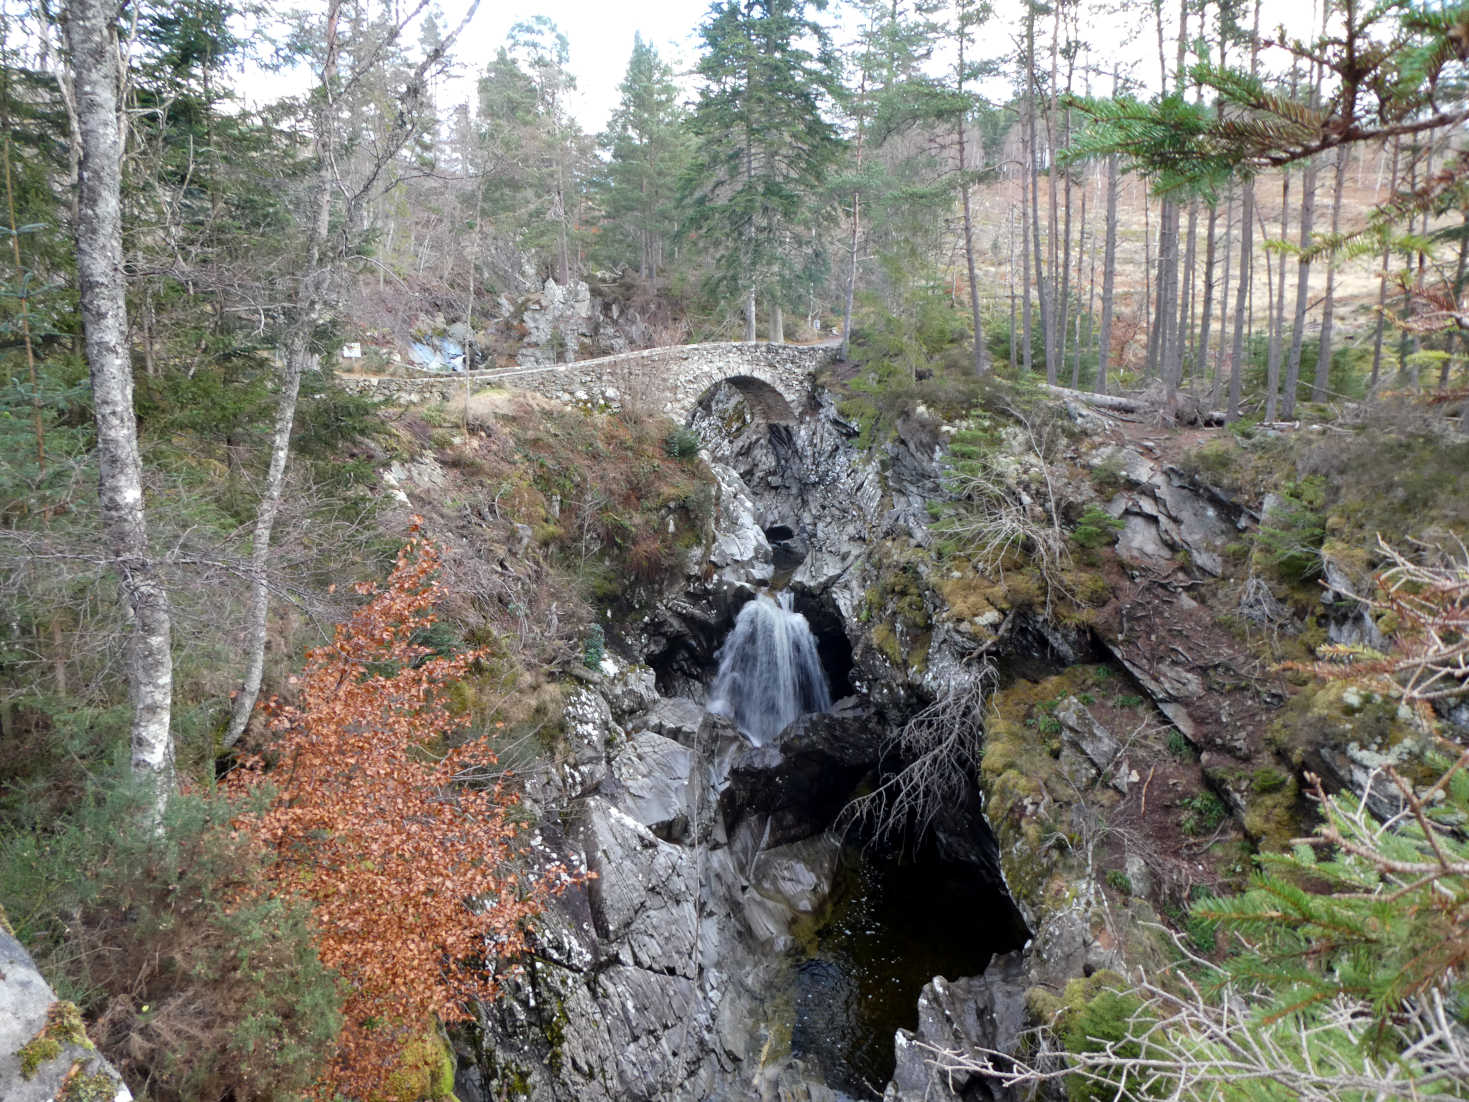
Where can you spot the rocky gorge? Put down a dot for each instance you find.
(1101, 749)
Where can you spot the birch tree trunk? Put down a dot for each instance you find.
(91, 33)
(313, 297)
(297, 353)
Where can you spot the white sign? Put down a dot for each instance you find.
(352, 351)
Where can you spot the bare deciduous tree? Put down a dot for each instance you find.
(91, 31)
(324, 266)
(940, 749)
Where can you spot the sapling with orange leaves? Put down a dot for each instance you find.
(417, 880)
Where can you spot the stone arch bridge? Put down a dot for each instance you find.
(775, 378)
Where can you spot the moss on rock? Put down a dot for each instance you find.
(63, 1026)
(424, 1072)
(83, 1084)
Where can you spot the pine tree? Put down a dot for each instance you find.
(762, 146)
(646, 150)
(530, 155)
(968, 16)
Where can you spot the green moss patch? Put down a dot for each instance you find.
(63, 1027)
(424, 1072)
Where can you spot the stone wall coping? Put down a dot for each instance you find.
(668, 350)
(672, 376)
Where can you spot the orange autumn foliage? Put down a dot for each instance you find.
(412, 875)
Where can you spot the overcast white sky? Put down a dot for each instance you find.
(600, 36)
(599, 33)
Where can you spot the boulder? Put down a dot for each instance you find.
(801, 780)
(970, 1015)
(43, 1045)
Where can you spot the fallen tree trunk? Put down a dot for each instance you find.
(1118, 403)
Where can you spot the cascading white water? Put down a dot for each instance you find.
(769, 671)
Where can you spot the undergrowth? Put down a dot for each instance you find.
(198, 983)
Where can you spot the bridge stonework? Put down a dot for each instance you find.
(776, 376)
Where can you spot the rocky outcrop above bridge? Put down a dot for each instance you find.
(775, 377)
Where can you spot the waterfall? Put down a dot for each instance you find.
(769, 671)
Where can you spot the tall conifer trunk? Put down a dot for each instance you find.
(1328, 305)
(1109, 269)
(981, 365)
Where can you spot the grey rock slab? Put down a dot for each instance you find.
(1089, 736)
(1139, 541)
(798, 874)
(678, 717)
(739, 550)
(643, 897)
(1130, 463)
(962, 1016)
(25, 999)
(630, 690)
(654, 774)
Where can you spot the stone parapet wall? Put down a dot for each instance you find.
(670, 379)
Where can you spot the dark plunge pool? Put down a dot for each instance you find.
(891, 928)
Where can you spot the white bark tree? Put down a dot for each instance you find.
(91, 31)
(323, 265)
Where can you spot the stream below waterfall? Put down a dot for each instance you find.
(892, 926)
(889, 925)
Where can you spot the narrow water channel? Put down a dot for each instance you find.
(892, 927)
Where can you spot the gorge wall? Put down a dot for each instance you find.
(1113, 751)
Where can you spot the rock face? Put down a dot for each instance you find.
(1164, 512)
(657, 980)
(805, 777)
(42, 1042)
(556, 321)
(739, 552)
(668, 976)
(652, 980)
(825, 504)
(972, 1015)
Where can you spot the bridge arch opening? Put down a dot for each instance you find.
(764, 400)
